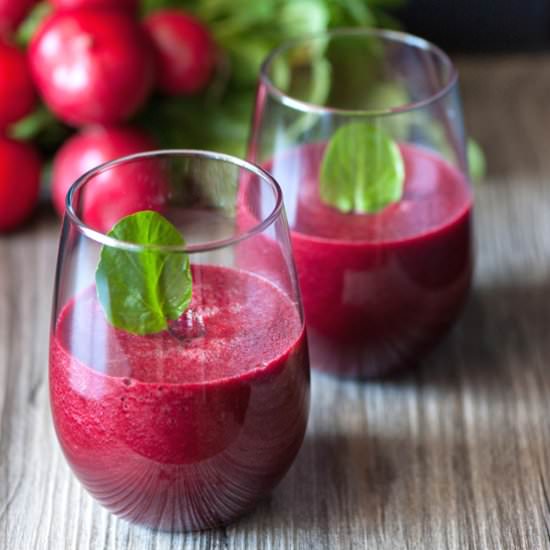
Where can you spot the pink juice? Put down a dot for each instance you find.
(379, 290)
(188, 428)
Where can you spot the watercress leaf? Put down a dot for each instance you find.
(140, 291)
(476, 161)
(246, 57)
(315, 86)
(360, 12)
(313, 89)
(303, 17)
(362, 169)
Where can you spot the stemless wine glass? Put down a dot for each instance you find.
(187, 427)
(339, 118)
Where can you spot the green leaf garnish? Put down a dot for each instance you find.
(362, 169)
(140, 291)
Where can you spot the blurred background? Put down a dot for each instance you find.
(86, 81)
(483, 26)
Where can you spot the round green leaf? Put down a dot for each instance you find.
(140, 291)
(362, 169)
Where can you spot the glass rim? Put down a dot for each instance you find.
(104, 239)
(390, 36)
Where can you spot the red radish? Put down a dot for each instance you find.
(17, 96)
(186, 53)
(19, 182)
(12, 12)
(127, 5)
(117, 192)
(92, 65)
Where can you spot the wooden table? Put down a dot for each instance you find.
(453, 455)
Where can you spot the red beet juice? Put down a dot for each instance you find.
(188, 428)
(379, 290)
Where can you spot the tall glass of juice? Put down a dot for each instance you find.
(179, 373)
(363, 130)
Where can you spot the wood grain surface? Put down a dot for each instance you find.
(455, 454)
